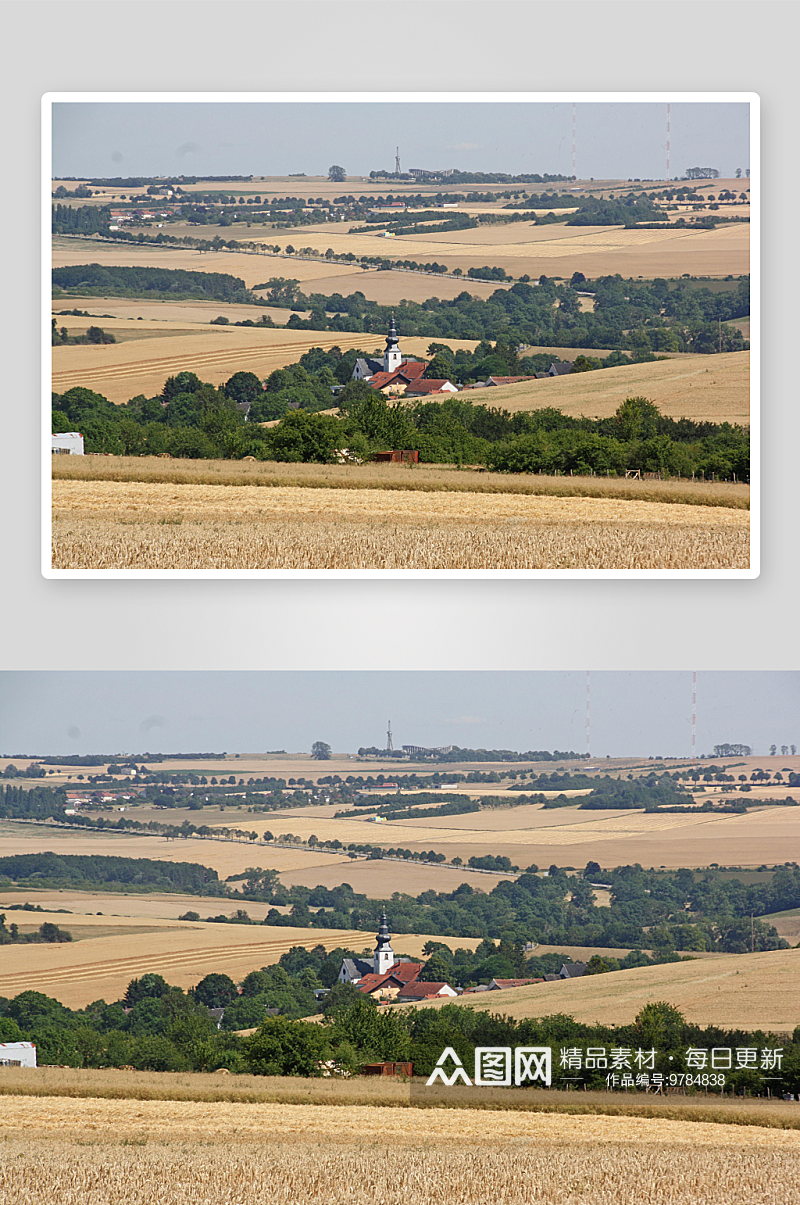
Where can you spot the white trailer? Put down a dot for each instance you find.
(17, 1054)
(69, 443)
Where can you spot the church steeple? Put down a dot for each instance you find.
(392, 356)
(383, 958)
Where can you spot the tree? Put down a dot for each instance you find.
(321, 751)
(773, 749)
(216, 991)
(337, 174)
(283, 1047)
(150, 986)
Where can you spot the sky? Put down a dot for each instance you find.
(619, 140)
(646, 714)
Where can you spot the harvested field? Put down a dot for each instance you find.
(253, 269)
(160, 314)
(379, 879)
(753, 839)
(226, 857)
(423, 478)
(703, 388)
(121, 371)
(103, 525)
(746, 991)
(518, 247)
(105, 1151)
(112, 907)
(78, 972)
(81, 971)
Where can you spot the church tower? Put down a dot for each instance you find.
(392, 357)
(383, 958)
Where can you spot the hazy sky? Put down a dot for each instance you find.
(641, 713)
(614, 140)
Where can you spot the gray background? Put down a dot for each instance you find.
(399, 623)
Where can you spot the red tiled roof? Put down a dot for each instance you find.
(429, 386)
(421, 990)
(400, 974)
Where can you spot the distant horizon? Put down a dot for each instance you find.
(275, 137)
(199, 710)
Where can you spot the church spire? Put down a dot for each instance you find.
(392, 356)
(383, 958)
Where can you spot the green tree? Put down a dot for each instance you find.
(216, 991)
(321, 751)
(283, 1047)
(337, 174)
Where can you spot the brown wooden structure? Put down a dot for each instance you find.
(397, 456)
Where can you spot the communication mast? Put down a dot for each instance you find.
(574, 177)
(668, 115)
(588, 713)
(694, 718)
(397, 168)
(389, 745)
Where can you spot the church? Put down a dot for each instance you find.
(386, 978)
(392, 373)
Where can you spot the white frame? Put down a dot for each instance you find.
(750, 98)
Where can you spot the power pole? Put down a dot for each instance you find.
(694, 719)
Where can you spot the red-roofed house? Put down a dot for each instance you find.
(421, 388)
(424, 991)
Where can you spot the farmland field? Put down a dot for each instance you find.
(113, 1151)
(79, 972)
(746, 991)
(120, 371)
(144, 525)
(712, 389)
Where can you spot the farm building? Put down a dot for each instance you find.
(69, 443)
(17, 1054)
(397, 456)
(415, 992)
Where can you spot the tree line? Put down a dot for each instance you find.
(159, 1027)
(196, 420)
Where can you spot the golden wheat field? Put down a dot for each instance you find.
(84, 1152)
(423, 477)
(746, 991)
(712, 389)
(107, 525)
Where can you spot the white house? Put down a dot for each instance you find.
(17, 1054)
(68, 443)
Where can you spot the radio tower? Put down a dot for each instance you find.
(668, 113)
(694, 718)
(588, 713)
(389, 745)
(574, 177)
(397, 160)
